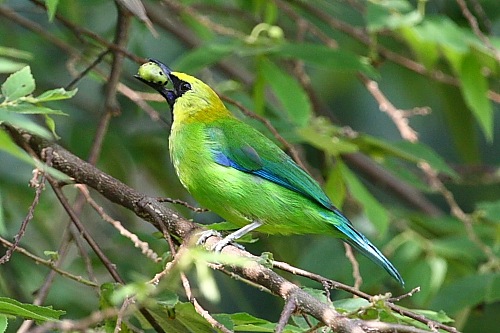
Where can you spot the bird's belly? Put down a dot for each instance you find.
(241, 198)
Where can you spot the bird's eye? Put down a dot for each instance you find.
(185, 87)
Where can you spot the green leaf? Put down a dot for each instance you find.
(439, 316)
(320, 55)
(12, 307)
(247, 323)
(54, 95)
(8, 146)
(294, 99)
(439, 267)
(203, 56)
(461, 125)
(224, 319)
(168, 298)
(426, 51)
(474, 87)
(9, 66)
(21, 121)
(322, 134)
(51, 124)
(414, 152)
(3, 323)
(3, 228)
(468, 291)
(489, 210)
(26, 108)
(183, 319)
(350, 304)
(206, 282)
(51, 8)
(374, 210)
(335, 187)
(390, 15)
(418, 151)
(457, 247)
(19, 84)
(15, 53)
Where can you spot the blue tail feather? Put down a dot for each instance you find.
(363, 245)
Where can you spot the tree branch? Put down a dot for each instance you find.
(165, 219)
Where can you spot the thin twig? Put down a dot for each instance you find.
(408, 294)
(358, 280)
(84, 324)
(364, 38)
(48, 263)
(475, 28)
(286, 313)
(400, 119)
(340, 286)
(143, 246)
(189, 294)
(91, 66)
(78, 31)
(39, 184)
(180, 8)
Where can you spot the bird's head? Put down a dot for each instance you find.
(189, 96)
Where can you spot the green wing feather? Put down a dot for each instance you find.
(239, 146)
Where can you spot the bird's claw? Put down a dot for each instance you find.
(224, 242)
(206, 235)
(220, 244)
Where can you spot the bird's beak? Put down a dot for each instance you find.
(169, 94)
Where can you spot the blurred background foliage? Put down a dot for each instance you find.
(305, 66)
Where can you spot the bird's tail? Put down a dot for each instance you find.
(362, 244)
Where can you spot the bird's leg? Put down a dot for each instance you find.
(229, 238)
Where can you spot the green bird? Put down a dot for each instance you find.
(240, 174)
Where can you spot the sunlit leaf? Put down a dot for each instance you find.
(19, 84)
(21, 121)
(10, 66)
(51, 8)
(15, 53)
(10, 147)
(26, 108)
(54, 95)
(350, 304)
(390, 15)
(206, 282)
(322, 134)
(183, 319)
(426, 51)
(40, 314)
(3, 323)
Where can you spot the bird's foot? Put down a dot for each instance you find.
(220, 244)
(206, 235)
(225, 242)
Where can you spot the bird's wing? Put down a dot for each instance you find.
(238, 146)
